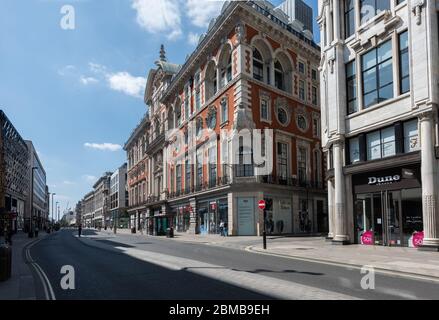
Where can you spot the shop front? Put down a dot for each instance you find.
(211, 214)
(279, 215)
(388, 207)
(182, 218)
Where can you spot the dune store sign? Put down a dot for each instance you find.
(384, 180)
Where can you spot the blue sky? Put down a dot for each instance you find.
(77, 94)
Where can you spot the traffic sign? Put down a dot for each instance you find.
(261, 204)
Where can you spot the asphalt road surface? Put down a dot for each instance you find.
(131, 267)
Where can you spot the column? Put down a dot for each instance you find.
(193, 228)
(340, 236)
(331, 209)
(336, 15)
(428, 174)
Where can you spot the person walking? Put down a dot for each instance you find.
(79, 230)
(221, 226)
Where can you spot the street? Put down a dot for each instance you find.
(136, 267)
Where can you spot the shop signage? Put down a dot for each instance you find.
(416, 240)
(367, 238)
(384, 180)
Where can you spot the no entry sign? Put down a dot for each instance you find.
(261, 204)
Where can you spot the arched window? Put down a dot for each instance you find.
(178, 114)
(258, 65)
(211, 85)
(283, 72)
(279, 76)
(171, 123)
(225, 65)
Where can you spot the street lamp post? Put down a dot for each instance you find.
(53, 194)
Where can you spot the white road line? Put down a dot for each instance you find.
(48, 290)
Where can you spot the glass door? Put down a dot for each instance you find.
(393, 218)
(377, 212)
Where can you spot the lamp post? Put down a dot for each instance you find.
(53, 194)
(31, 229)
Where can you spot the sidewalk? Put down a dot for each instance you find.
(408, 261)
(21, 285)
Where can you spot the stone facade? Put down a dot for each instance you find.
(379, 94)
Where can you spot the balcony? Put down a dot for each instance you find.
(219, 182)
(290, 182)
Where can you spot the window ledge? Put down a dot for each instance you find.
(266, 121)
(377, 106)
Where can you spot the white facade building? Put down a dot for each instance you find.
(379, 93)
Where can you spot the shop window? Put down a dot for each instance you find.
(301, 67)
(212, 167)
(178, 178)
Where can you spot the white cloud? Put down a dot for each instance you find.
(121, 81)
(88, 80)
(162, 16)
(89, 178)
(66, 70)
(201, 12)
(103, 146)
(193, 38)
(68, 183)
(126, 83)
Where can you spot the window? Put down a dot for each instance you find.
(178, 178)
(314, 95)
(301, 67)
(370, 8)
(279, 76)
(199, 169)
(411, 136)
(188, 171)
(302, 90)
(301, 161)
(351, 83)
(258, 65)
(377, 75)
(302, 123)
(186, 108)
(211, 118)
(314, 74)
(265, 109)
(404, 65)
(282, 161)
(316, 127)
(354, 150)
(199, 126)
(224, 110)
(245, 167)
(226, 73)
(349, 18)
(282, 116)
(212, 167)
(381, 144)
(197, 98)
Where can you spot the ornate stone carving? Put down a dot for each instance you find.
(417, 6)
(240, 33)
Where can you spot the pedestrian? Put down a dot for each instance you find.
(221, 226)
(79, 230)
(225, 229)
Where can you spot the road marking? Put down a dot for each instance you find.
(48, 290)
(399, 274)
